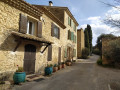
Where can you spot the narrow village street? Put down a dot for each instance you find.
(83, 75)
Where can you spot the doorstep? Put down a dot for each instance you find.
(34, 77)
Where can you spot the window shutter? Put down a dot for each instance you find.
(52, 29)
(39, 33)
(65, 53)
(50, 53)
(58, 33)
(74, 52)
(75, 39)
(59, 58)
(23, 24)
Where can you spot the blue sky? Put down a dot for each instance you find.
(86, 12)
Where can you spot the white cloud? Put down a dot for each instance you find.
(98, 27)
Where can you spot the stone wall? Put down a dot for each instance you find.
(80, 42)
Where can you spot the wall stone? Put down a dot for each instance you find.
(80, 42)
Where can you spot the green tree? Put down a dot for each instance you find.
(99, 41)
(90, 36)
(86, 39)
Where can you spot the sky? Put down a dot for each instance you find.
(91, 12)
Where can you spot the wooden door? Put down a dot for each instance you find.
(29, 59)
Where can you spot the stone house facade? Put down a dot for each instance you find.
(32, 37)
(80, 42)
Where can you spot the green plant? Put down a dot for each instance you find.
(49, 65)
(63, 62)
(55, 65)
(99, 61)
(2, 82)
(20, 69)
(113, 51)
(85, 53)
(96, 51)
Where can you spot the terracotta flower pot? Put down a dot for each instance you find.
(63, 65)
(55, 69)
(59, 67)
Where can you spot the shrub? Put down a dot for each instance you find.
(20, 69)
(85, 53)
(99, 61)
(96, 51)
(113, 53)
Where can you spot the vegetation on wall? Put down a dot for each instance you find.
(99, 41)
(113, 53)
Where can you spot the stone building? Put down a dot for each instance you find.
(34, 36)
(80, 42)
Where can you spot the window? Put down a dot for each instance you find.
(30, 27)
(69, 21)
(49, 53)
(69, 35)
(55, 32)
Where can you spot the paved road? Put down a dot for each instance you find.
(83, 75)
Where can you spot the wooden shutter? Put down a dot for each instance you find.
(39, 32)
(58, 33)
(65, 53)
(69, 34)
(23, 24)
(50, 53)
(52, 29)
(59, 55)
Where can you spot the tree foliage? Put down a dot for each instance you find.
(90, 36)
(99, 40)
(86, 39)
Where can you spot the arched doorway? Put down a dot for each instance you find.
(29, 58)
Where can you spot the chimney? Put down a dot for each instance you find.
(50, 3)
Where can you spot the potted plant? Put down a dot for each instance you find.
(59, 66)
(63, 64)
(19, 76)
(55, 68)
(48, 69)
(68, 63)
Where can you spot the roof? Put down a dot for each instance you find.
(31, 37)
(50, 15)
(62, 8)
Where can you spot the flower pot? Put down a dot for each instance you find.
(68, 63)
(48, 70)
(19, 77)
(59, 67)
(63, 65)
(55, 69)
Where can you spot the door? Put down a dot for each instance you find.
(29, 59)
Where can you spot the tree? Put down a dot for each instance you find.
(86, 39)
(90, 36)
(109, 19)
(99, 41)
